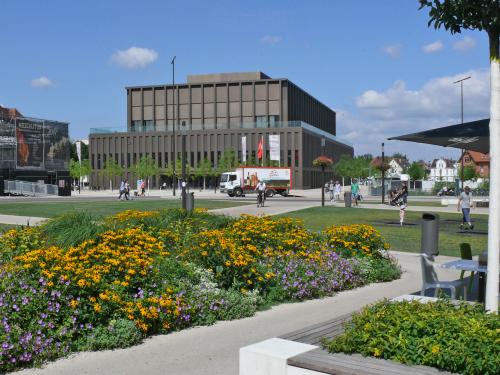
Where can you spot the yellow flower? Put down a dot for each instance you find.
(377, 352)
(73, 303)
(97, 307)
(435, 349)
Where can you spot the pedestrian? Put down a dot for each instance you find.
(337, 190)
(465, 202)
(143, 187)
(331, 189)
(127, 189)
(404, 203)
(123, 187)
(355, 192)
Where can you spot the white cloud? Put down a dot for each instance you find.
(270, 40)
(134, 57)
(433, 47)
(465, 44)
(393, 50)
(41, 82)
(401, 110)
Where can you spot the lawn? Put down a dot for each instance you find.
(51, 209)
(406, 238)
(6, 227)
(412, 203)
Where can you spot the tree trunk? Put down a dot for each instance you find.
(111, 184)
(494, 205)
(204, 183)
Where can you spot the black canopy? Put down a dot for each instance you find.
(474, 136)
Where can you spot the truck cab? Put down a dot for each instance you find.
(228, 180)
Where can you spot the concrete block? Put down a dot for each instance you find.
(269, 357)
(291, 370)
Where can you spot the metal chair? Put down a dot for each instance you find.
(430, 280)
(466, 253)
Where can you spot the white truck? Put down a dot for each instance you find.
(244, 180)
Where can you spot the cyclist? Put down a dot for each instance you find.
(261, 189)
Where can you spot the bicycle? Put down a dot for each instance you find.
(260, 199)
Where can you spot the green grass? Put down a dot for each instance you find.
(51, 209)
(406, 238)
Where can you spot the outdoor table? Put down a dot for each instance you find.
(473, 266)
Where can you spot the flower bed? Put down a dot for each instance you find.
(460, 339)
(109, 282)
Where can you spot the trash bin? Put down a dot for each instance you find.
(189, 202)
(429, 241)
(348, 198)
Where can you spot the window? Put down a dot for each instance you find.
(296, 158)
(212, 160)
(191, 160)
(104, 160)
(273, 121)
(128, 160)
(166, 158)
(98, 161)
(123, 161)
(116, 158)
(153, 156)
(149, 125)
(289, 158)
(92, 161)
(135, 126)
(261, 121)
(159, 160)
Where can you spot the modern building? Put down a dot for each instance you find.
(215, 112)
(33, 150)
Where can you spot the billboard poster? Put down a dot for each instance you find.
(244, 149)
(29, 137)
(7, 144)
(56, 145)
(273, 177)
(274, 147)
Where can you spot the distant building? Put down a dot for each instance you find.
(33, 149)
(219, 112)
(480, 161)
(443, 170)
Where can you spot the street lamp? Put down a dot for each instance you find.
(383, 174)
(462, 111)
(173, 127)
(183, 184)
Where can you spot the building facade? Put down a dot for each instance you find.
(479, 161)
(215, 112)
(443, 170)
(33, 150)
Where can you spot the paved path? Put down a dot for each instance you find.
(214, 350)
(21, 220)
(271, 207)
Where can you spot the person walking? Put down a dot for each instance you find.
(355, 192)
(143, 188)
(123, 190)
(337, 190)
(465, 202)
(403, 198)
(331, 189)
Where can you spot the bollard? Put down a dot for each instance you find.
(348, 198)
(429, 240)
(189, 202)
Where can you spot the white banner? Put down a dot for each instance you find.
(274, 147)
(79, 150)
(244, 149)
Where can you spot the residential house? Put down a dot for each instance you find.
(443, 170)
(479, 160)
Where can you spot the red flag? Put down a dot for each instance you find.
(260, 148)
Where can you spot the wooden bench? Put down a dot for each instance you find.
(321, 361)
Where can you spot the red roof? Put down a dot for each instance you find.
(478, 157)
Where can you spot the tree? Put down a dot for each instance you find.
(470, 173)
(110, 170)
(228, 161)
(350, 167)
(78, 170)
(481, 15)
(84, 149)
(416, 172)
(146, 168)
(204, 170)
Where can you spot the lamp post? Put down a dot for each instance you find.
(323, 144)
(174, 158)
(383, 174)
(461, 81)
(183, 184)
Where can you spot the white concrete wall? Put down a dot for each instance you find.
(269, 357)
(301, 371)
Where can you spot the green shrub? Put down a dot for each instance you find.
(375, 270)
(72, 228)
(119, 333)
(462, 339)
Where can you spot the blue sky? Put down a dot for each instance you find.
(375, 62)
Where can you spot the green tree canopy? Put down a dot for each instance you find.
(77, 170)
(470, 173)
(72, 151)
(228, 161)
(110, 170)
(416, 171)
(146, 168)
